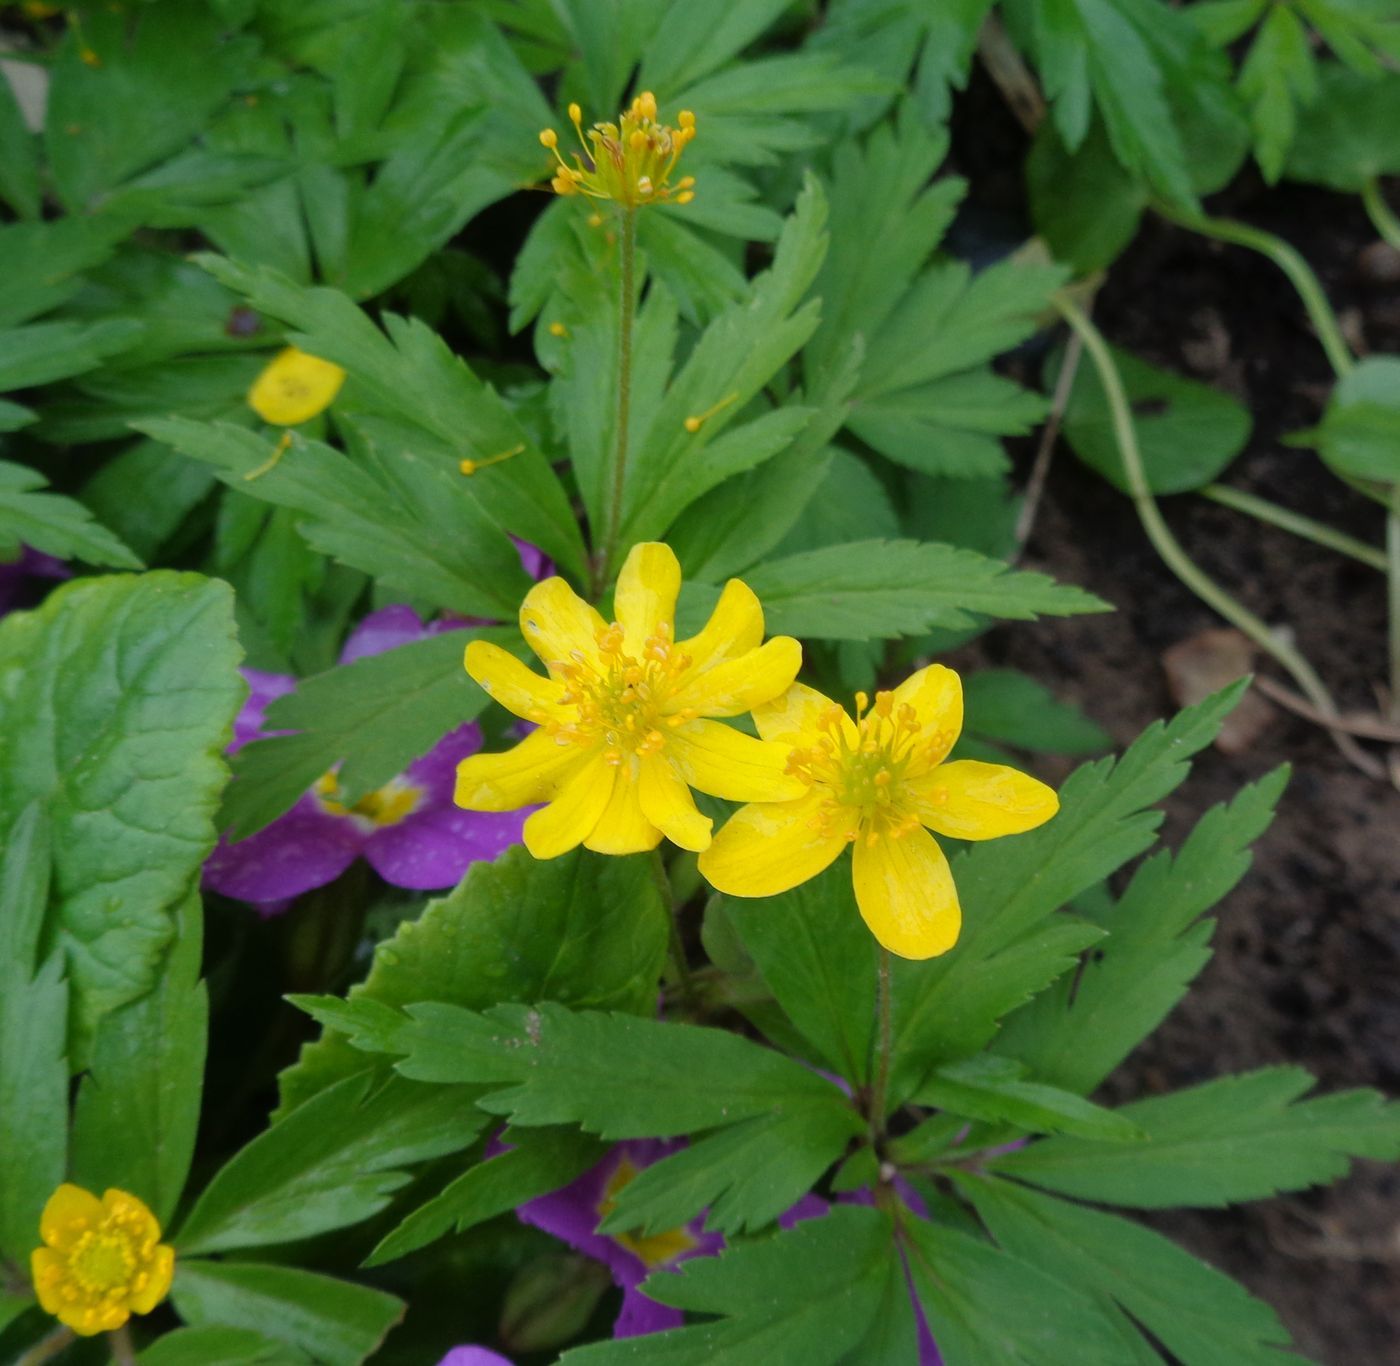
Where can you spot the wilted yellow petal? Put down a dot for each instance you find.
(726, 763)
(769, 847)
(936, 695)
(735, 627)
(646, 592)
(517, 688)
(623, 827)
(531, 772)
(969, 800)
(569, 819)
(293, 387)
(556, 622)
(905, 892)
(795, 717)
(667, 804)
(740, 685)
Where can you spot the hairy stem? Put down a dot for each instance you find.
(1176, 558)
(1382, 216)
(884, 995)
(626, 302)
(1287, 520)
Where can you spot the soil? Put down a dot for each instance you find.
(1307, 955)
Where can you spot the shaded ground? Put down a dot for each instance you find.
(1308, 953)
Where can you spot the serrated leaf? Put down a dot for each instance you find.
(828, 1290)
(116, 701)
(869, 589)
(334, 1322)
(1076, 1037)
(1237, 1138)
(44, 261)
(1359, 434)
(333, 1162)
(584, 930)
(56, 525)
(39, 353)
(138, 1106)
(1013, 709)
(1199, 1315)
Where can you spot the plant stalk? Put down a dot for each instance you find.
(1382, 216)
(662, 880)
(884, 996)
(119, 1340)
(626, 301)
(46, 1348)
(1319, 533)
(1392, 555)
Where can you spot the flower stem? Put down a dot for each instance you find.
(884, 996)
(1170, 549)
(1382, 216)
(1288, 520)
(119, 1340)
(46, 1348)
(1392, 555)
(626, 301)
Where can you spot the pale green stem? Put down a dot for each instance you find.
(123, 1353)
(884, 996)
(46, 1348)
(1287, 520)
(613, 526)
(1299, 273)
(1165, 543)
(1382, 216)
(1392, 552)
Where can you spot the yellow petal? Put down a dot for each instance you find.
(160, 1269)
(556, 622)
(905, 892)
(726, 763)
(935, 693)
(47, 1269)
(69, 1213)
(531, 772)
(969, 800)
(623, 827)
(740, 685)
(517, 688)
(795, 717)
(735, 627)
(645, 597)
(569, 819)
(140, 1221)
(769, 847)
(293, 387)
(667, 804)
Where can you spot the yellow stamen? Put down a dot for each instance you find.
(471, 466)
(271, 462)
(698, 420)
(557, 329)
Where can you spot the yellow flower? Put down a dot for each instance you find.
(876, 783)
(629, 161)
(623, 716)
(293, 387)
(102, 1261)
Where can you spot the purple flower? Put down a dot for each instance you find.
(18, 586)
(409, 830)
(474, 1356)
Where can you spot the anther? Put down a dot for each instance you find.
(557, 329)
(471, 466)
(549, 138)
(698, 420)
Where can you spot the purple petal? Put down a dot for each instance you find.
(383, 630)
(640, 1315)
(432, 848)
(17, 578)
(306, 848)
(436, 771)
(263, 688)
(537, 564)
(474, 1356)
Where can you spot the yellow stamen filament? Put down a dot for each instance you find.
(278, 451)
(471, 466)
(698, 420)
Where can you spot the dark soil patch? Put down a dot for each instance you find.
(1307, 956)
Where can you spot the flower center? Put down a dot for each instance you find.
(102, 1261)
(620, 702)
(653, 1250)
(866, 777)
(629, 161)
(386, 805)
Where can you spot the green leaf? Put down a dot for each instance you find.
(1360, 432)
(52, 523)
(215, 1346)
(1188, 432)
(19, 159)
(1074, 1035)
(1345, 139)
(411, 376)
(868, 589)
(690, 45)
(745, 1176)
(117, 698)
(33, 1039)
(1197, 1314)
(537, 1162)
(377, 714)
(581, 929)
(1237, 1138)
(1014, 709)
(828, 1290)
(818, 959)
(948, 1009)
(138, 1106)
(44, 261)
(332, 1162)
(986, 1307)
(994, 1090)
(40, 353)
(145, 493)
(614, 1075)
(334, 1322)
